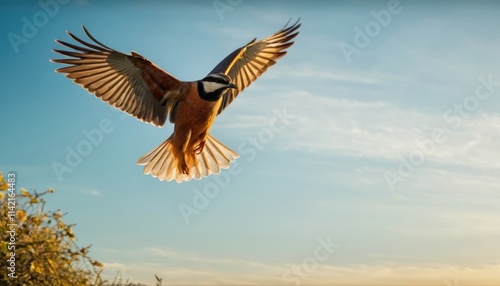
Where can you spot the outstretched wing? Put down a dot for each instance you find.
(247, 63)
(130, 83)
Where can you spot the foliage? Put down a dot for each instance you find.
(44, 245)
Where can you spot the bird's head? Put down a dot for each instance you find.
(213, 85)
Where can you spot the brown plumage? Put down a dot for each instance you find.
(140, 88)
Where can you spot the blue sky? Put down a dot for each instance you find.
(384, 169)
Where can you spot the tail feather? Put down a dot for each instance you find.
(162, 162)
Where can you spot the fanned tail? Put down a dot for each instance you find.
(163, 161)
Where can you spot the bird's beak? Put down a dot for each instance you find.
(231, 85)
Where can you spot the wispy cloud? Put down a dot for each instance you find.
(228, 271)
(381, 129)
(92, 192)
(307, 71)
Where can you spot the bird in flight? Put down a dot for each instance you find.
(135, 85)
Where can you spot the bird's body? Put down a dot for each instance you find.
(192, 129)
(137, 86)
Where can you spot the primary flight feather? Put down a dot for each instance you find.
(140, 88)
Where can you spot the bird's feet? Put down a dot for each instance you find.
(185, 169)
(200, 147)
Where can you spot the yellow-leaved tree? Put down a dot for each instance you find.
(37, 247)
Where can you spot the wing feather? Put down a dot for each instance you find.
(246, 64)
(130, 83)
